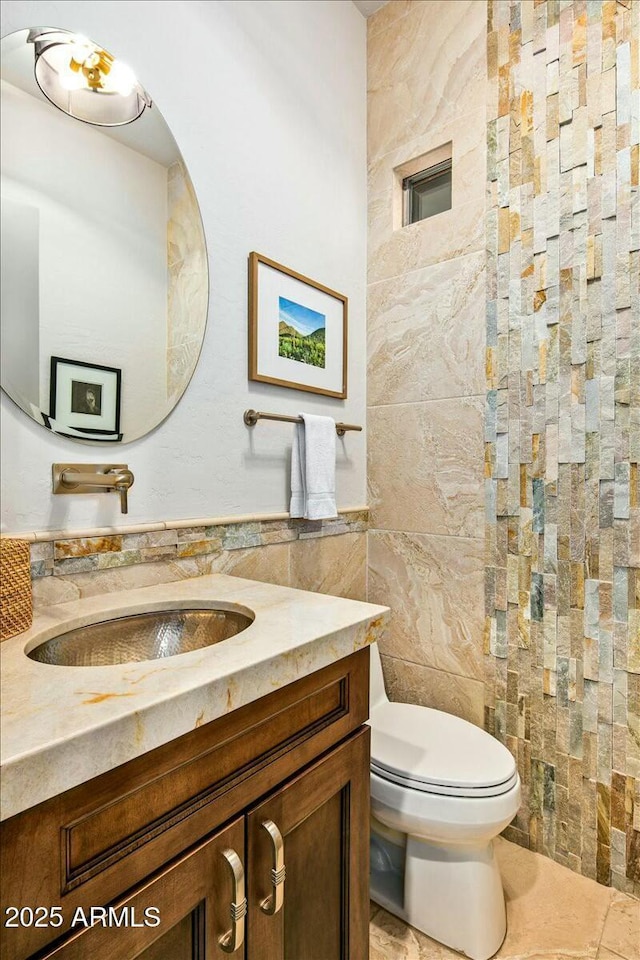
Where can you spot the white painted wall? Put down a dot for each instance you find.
(267, 100)
(102, 257)
(20, 340)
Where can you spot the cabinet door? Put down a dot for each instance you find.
(193, 898)
(321, 909)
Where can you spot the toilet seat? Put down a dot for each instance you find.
(446, 790)
(434, 752)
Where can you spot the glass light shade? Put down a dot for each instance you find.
(61, 57)
(95, 204)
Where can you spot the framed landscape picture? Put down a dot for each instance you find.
(85, 397)
(297, 330)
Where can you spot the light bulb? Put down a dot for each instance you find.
(71, 81)
(121, 78)
(81, 49)
(69, 72)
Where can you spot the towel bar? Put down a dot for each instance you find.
(251, 417)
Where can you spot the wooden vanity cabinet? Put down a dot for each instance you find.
(189, 896)
(168, 829)
(325, 913)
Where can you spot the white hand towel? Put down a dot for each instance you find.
(298, 466)
(313, 468)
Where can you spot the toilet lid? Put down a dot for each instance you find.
(428, 749)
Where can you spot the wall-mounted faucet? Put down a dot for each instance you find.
(93, 477)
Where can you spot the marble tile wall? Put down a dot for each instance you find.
(187, 290)
(327, 556)
(562, 430)
(426, 306)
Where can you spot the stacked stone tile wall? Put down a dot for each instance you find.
(562, 637)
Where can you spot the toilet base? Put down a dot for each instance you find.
(454, 895)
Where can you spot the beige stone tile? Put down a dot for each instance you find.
(269, 564)
(335, 565)
(187, 281)
(41, 551)
(551, 912)
(342, 571)
(426, 333)
(98, 531)
(413, 683)
(426, 467)
(621, 933)
(51, 590)
(43, 536)
(391, 939)
(387, 15)
(421, 578)
(467, 134)
(157, 538)
(424, 69)
(87, 546)
(393, 253)
(181, 362)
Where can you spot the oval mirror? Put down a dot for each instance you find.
(104, 268)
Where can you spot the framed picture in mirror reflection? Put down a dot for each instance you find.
(85, 398)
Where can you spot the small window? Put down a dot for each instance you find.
(427, 193)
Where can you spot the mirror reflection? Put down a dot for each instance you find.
(104, 267)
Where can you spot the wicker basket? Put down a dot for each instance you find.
(15, 587)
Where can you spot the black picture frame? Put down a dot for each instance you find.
(66, 407)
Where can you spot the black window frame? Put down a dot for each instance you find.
(423, 176)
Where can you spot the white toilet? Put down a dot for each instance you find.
(441, 790)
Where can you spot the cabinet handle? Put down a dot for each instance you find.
(275, 900)
(234, 938)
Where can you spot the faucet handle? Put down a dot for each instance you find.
(123, 480)
(124, 502)
(92, 478)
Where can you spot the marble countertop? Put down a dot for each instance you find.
(61, 726)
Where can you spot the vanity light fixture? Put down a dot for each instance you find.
(84, 80)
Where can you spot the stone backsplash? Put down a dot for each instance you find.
(328, 556)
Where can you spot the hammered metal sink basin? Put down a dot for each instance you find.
(143, 636)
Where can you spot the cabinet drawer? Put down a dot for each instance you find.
(97, 840)
(106, 832)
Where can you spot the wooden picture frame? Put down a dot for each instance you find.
(298, 334)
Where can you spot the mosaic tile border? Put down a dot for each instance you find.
(58, 553)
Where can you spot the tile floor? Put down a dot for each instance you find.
(552, 914)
